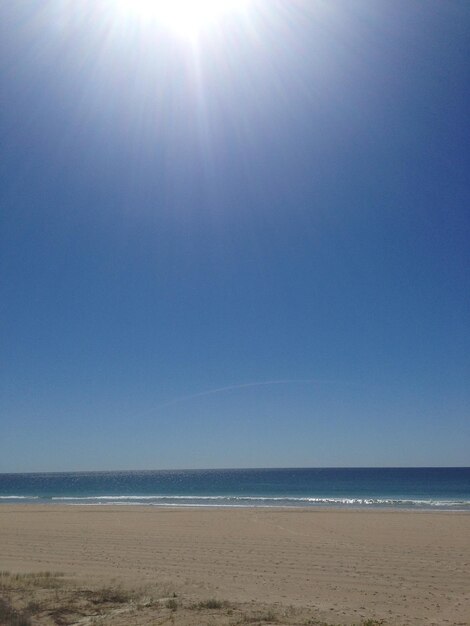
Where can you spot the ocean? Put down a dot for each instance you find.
(365, 488)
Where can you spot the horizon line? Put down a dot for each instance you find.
(228, 469)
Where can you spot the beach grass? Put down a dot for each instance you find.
(44, 598)
(11, 617)
(212, 604)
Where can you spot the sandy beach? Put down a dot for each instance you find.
(331, 566)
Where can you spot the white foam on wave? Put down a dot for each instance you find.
(19, 497)
(193, 500)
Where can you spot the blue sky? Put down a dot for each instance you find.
(286, 199)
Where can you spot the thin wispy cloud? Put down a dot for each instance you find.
(249, 385)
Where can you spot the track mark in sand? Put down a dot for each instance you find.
(290, 531)
(278, 526)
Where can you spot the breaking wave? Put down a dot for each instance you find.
(19, 497)
(240, 501)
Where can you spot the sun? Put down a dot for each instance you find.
(186, 18)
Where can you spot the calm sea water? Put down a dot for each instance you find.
(422, 488)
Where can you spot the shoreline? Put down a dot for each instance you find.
(338, 565)
(247, 507)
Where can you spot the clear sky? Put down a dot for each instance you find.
(280, 194)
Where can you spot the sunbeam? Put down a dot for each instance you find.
(186, 18)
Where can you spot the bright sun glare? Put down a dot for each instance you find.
(186, 18)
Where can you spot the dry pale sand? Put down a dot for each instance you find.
(341, 566)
